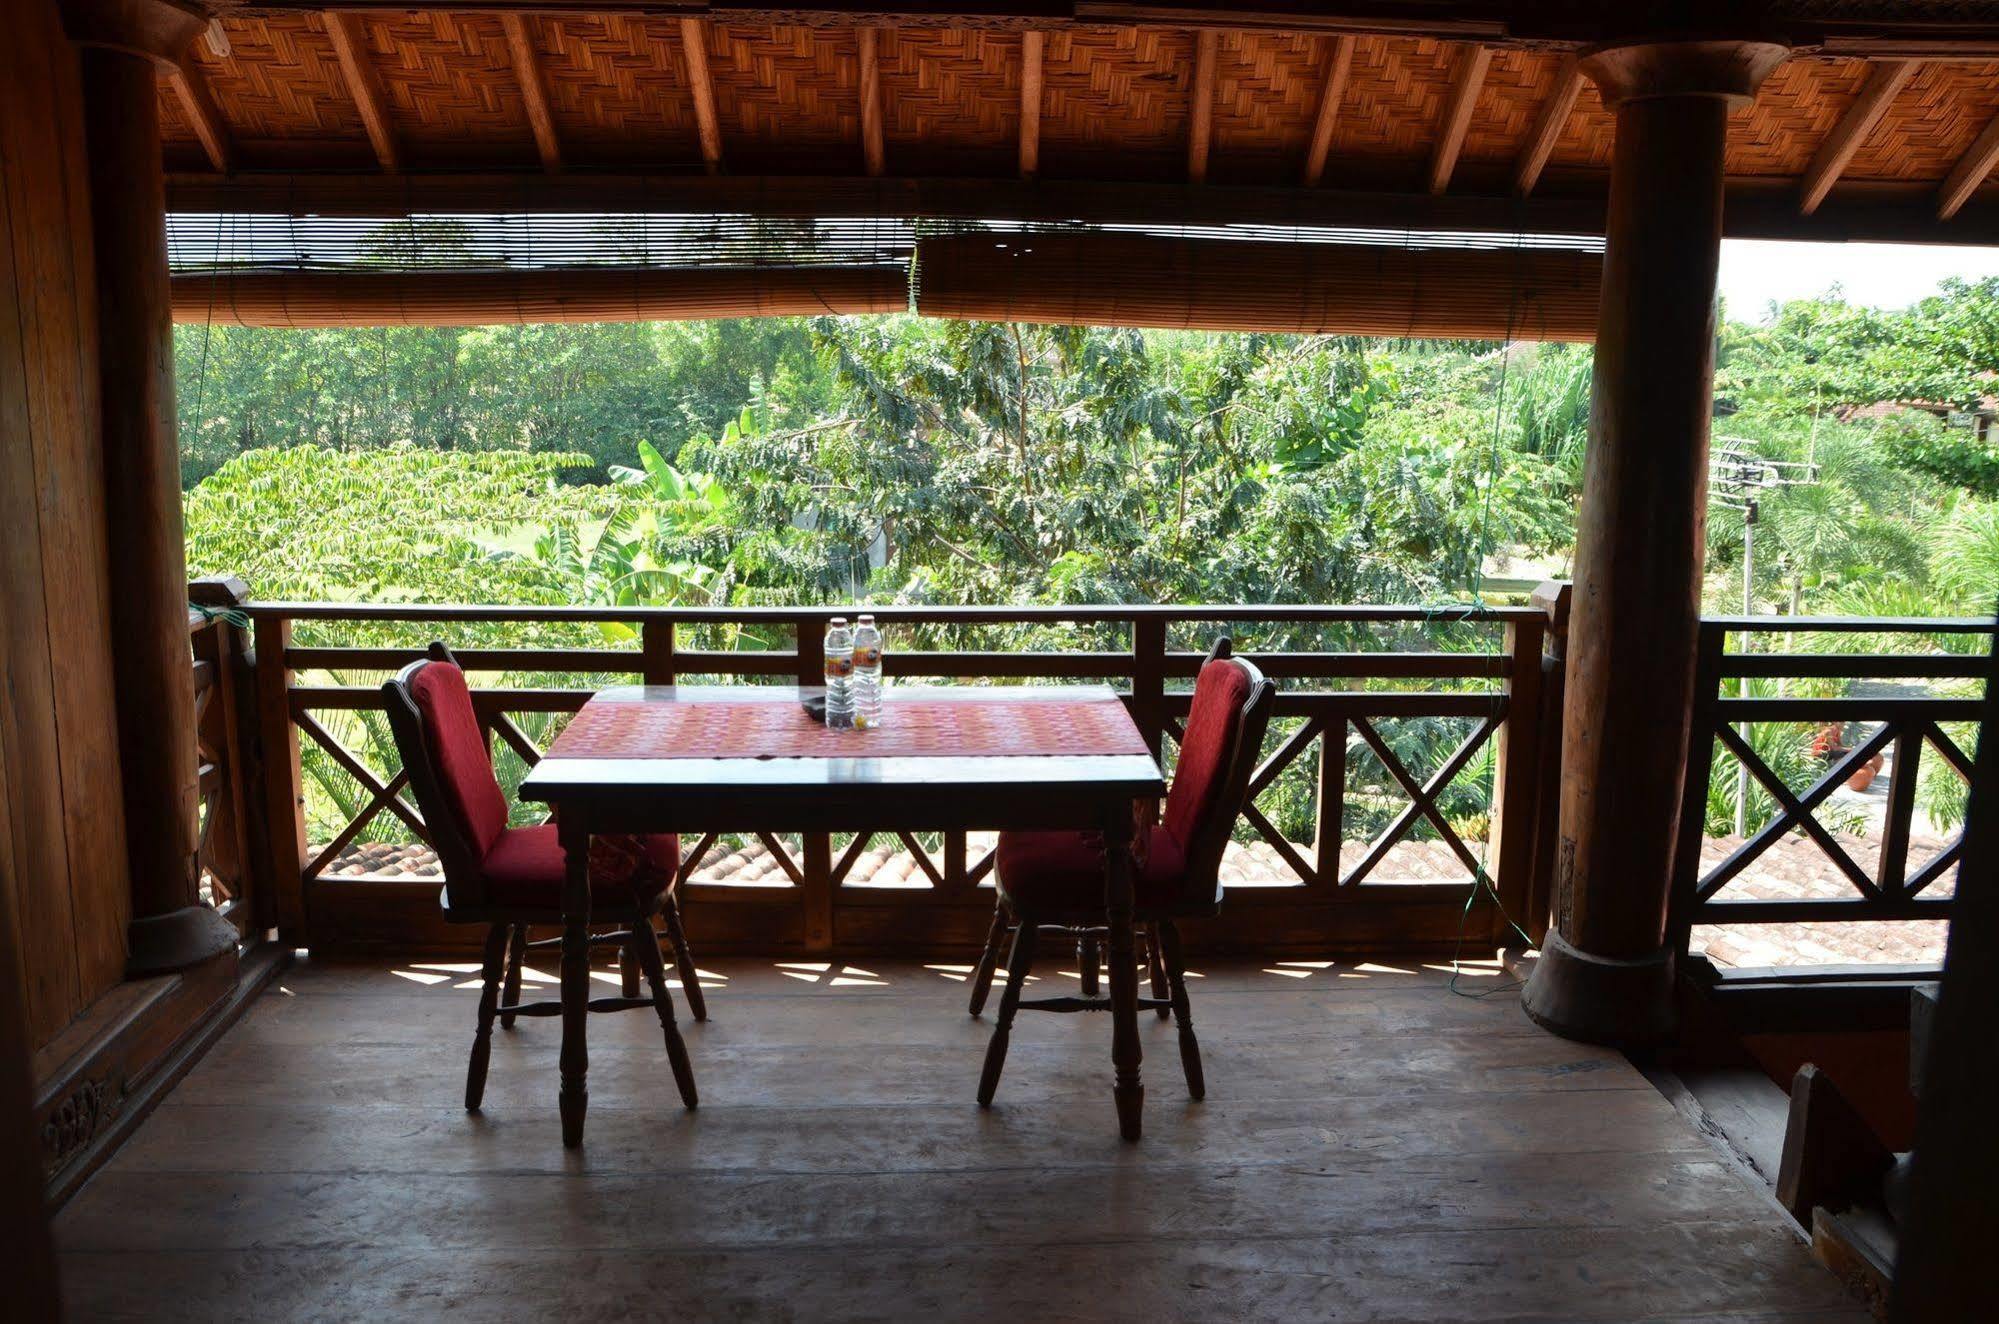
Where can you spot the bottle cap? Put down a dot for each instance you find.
(866, 618)
(837, 620)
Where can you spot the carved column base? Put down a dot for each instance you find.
(178, 939)
(1601, 999)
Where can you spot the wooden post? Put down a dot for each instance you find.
(280, 799)
(657, 643)
(1148, 680)
(1942, 1271)
(1605, 973)
(125, 42)
(1516, 788)
(815, 865)
(1553, 598)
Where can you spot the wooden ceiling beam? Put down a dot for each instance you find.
(874, 150)
(190, 85)
(707, 127)
(1031, 43)
(1970, 171)
(350, 48)
(534, 91)
(1865, 211)
(1201, 117)
(1329, 109)
(1457, 117)
(1885, 80)
(1548, 125)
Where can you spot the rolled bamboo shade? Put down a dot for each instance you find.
(1107, 278)
(484, 298)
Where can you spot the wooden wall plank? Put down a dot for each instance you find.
(81, 583)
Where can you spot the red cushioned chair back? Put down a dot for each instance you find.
(450, 767)
(1225, 729)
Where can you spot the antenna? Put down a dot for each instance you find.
(1737, 476)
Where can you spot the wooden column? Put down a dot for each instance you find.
(124, 43)
(1605, 973)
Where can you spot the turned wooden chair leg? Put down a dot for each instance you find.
(1155, 963)
(648, 956)
(510, 991)
(1176, 978)
(683, 960)
(1017, 965)
(1087, 961)
(982, 974)
(489, 1004)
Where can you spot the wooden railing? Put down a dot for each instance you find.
(1791, 696)
(319, 665)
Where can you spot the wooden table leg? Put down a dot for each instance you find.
(575, 1059)
(1126, 1052)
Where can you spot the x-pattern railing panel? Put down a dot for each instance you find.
(1902, 723)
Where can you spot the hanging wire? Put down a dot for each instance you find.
(1482, 883)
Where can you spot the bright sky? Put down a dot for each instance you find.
(1756, 271)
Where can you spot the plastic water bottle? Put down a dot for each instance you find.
(839, 674)
(867, 674)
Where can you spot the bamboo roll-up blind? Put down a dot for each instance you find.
(484, 298)
(1504, 291)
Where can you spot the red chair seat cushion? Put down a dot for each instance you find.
(1044, 872)
(525, 868)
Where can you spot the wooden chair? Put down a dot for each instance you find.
(1055, 880)
(510, 878)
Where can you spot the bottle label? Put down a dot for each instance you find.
(867, 657)
(839, 666)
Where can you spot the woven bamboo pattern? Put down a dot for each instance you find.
(175, 131)
(950, 89)
(787, 88)
(1395, 97)
(1119, 89)
(1933, 123)
(1516, 86)
(449, 82)
(1798, 105)
(1267, 88)
(279, 81)
(617, 87)
(1115, 101)
(1587, 137)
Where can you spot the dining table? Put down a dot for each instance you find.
(754, 759)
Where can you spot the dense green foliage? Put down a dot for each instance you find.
(896, 459)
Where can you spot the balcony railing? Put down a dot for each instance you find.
(1405, 800)
(1402, 735)
(1780, 739)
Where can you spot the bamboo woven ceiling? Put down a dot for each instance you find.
(415, 93)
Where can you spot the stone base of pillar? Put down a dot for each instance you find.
(178, 939)
(1600, 999)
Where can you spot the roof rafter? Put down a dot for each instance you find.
(350, 48)
(707, 127)
(1548, 125)
(190, 85)
(1457, 117)
(1031, 43)
(873, 150)
(1329, 109)
(1885, 80)
(534, 91)
(1969, 172)
(1201, 117)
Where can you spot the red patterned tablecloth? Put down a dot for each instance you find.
(914, 727)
